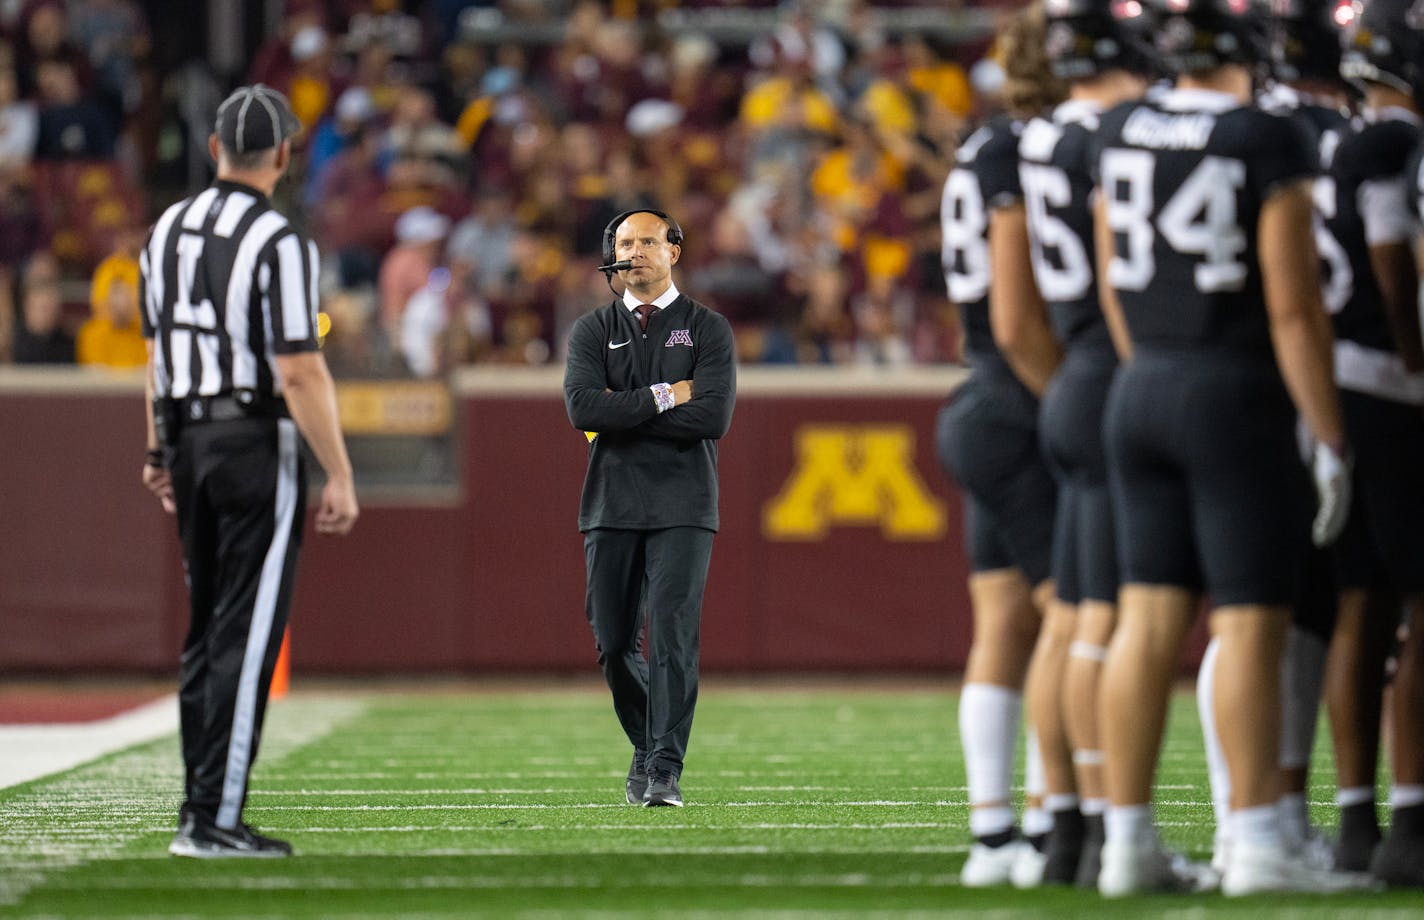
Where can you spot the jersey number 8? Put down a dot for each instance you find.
(1198, 220)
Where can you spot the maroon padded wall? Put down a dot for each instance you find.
(492, 580)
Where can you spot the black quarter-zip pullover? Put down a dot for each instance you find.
(646, 470)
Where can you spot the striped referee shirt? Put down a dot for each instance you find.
(226, 283)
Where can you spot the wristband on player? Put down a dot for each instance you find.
(662, 396)
(153, 457)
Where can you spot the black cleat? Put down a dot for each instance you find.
(662, 790)
(1091, 862)
(199, 838)
(1065, 848)
(1399, 860)
(637, 783)
(1359, 836)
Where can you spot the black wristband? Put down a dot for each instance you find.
(154, 457)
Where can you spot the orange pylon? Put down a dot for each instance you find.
(282, 674)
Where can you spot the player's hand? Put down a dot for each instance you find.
(158, 481)
(1332, 486)
(681, 392)
(338, 510)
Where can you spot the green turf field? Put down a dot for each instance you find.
(808, 802)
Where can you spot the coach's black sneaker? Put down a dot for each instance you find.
(662, 789)
(1065, 848)
(199, 838)
(1399, 860)
(1091, 862)
(637, 779)
(1359, 836)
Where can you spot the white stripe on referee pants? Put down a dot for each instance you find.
(264, 609)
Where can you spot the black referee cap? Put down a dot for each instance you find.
(255, 117)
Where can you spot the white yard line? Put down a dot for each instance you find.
(33, 751)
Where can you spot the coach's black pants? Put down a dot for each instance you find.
(241, 498)
(655, 576)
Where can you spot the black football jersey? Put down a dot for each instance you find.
(1415, 172)
(985, 176)
(1363, 200)
(1057, 180)
(1184, 175)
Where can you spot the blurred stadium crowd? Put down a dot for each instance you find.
(461, 159)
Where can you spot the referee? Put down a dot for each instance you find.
(229, 293)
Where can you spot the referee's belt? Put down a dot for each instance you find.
(229, 407)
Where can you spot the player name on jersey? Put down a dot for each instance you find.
(1167, 131)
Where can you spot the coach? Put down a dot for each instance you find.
(652, 378)
(228, 290)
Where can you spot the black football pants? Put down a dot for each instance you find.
(657, 577)
(241, 496)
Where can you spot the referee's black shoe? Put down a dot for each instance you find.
(200, 838)
(637, 779)
(662, 789)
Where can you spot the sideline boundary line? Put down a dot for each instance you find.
(36, 751)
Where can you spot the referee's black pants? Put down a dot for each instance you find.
(657, 577)
(240, 489)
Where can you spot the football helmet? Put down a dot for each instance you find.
(1305, 38)
(1199, 35)
(1084, 38)
(1383, 43)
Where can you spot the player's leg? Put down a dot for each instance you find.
(1043, 690)
(1399, 860)
(1302, 682)
(1082, 677)
(1005, 625)
(1152, 515)
(1354, 682)
(1252, 502)
(987, 441)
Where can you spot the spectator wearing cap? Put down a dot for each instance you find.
(113, 336)
(273, 64)
(420, 233)
(310, 87)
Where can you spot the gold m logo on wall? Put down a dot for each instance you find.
(854, 475)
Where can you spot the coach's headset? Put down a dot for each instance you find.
(610, 256)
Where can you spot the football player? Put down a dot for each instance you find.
(1095, 50)
(1305, 63)
(1206, 253)
(988, 441)
(1379, 365)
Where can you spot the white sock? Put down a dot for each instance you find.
(1060, 801)
(1258, 826)
(1354, 795)
(989, 730)
(1093, 806)
(1127, 824)
(1294, 815)
(992, 819)
(1302, 676)
(1217, 774)
(1037, 820)
(1403, 796)
(1033, 764)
